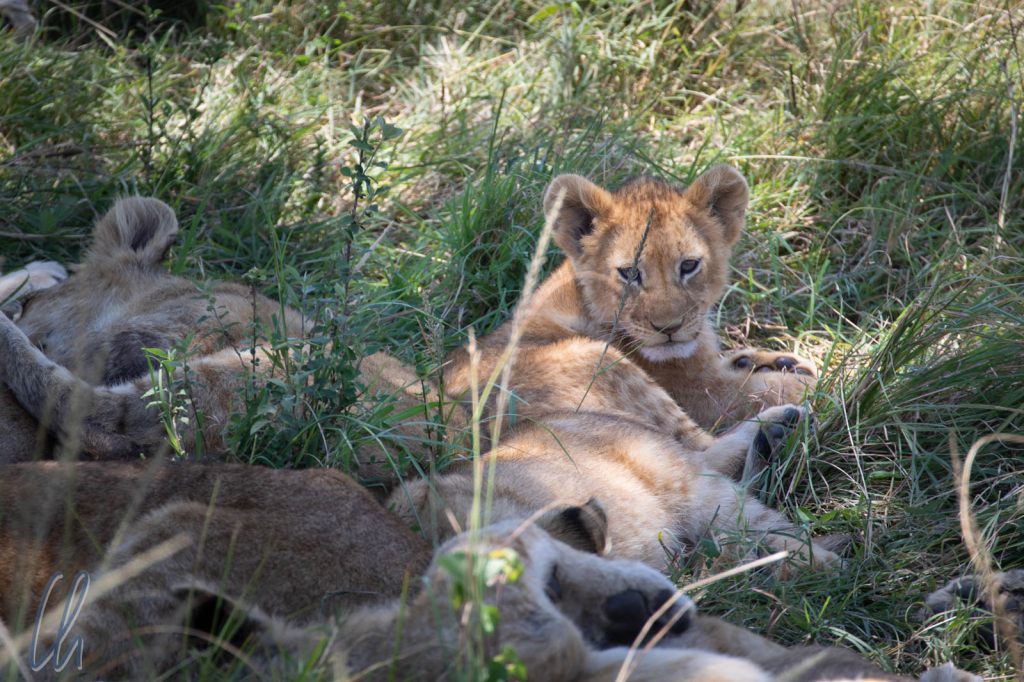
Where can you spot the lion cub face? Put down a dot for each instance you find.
(665, 282)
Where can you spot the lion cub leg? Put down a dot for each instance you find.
(722, 506)
(718, 503)
(116, 421)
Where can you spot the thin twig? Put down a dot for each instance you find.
(100, 28)
(21, 236)
(598, 369)
(521, 313)
(369, 252)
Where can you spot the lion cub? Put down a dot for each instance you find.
(644, 266)
(76, 368)
(589, 421)
(77, 361)
(661, 498)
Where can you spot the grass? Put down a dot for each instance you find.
(885, 236)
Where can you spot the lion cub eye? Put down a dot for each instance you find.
(688, 267)
(630, 275)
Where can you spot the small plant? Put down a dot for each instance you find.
(170, 396)
(309, 412)
(472, 576)
(365, 189)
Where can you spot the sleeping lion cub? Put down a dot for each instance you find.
(76, 361)
(311, 572)
(77, 372)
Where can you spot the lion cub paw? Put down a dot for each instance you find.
(43, 274)
(20, 284)
(746, 361)
(34, 277)
(969, 590)
(776, 424)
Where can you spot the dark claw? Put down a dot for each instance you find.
(742, 362)
(804, 371)
(777, 432)
(762, 446)
(785, 363)
(791, 417)
(683, 622)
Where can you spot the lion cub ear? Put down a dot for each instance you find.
(136, 229)
(723, 192)
(584, 527)
(582, 201)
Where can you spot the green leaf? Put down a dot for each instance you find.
(543, 13)
(489, 618)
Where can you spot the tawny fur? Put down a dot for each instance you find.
(659, 496)
(295, 557)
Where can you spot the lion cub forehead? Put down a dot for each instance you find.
(673, 229)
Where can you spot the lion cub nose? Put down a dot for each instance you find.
(629, 611)
(668, 329)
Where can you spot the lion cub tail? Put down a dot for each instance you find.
(136, 230)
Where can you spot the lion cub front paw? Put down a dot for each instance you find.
(747, 360)
(776, 424)
(43, 274)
